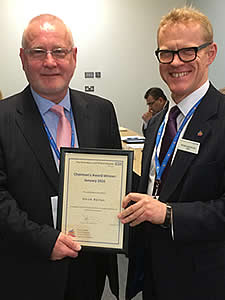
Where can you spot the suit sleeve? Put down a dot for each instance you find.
(24, 215)
(114, 129)
(17, 231)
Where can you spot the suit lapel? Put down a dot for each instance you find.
(198, 130)
(81, 117)
(30, 122)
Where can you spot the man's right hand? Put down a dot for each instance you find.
(65, 246)
(147, 116)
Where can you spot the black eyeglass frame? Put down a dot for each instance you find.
(173, 52)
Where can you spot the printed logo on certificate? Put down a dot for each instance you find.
(93, 183)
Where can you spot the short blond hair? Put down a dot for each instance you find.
(185, 15)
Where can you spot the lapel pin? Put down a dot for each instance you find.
(200, 133)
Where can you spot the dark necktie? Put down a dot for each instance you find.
(170, 132)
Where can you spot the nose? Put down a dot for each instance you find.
(49, 60)
(176, 60)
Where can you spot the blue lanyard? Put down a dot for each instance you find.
(51, 139)
(160, 169)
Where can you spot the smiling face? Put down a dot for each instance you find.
(49, 77)
(184, 78)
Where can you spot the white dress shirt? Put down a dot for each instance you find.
(185, 106)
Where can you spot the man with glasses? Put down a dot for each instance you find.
(178, 216)
(156, 100)
(38, 261)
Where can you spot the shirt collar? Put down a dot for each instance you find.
(187, 103)
(44, 104)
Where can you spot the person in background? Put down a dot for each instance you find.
(178, 216)
(38, 261)
(156, 100)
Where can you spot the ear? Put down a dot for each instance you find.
(160, 99)
(212, 53)
(22, 56)
(75, 55)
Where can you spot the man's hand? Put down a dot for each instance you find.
(146, 208)
(65, 246)
(147, 116)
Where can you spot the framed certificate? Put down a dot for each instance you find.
(93, 183)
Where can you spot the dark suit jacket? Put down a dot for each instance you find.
(145, 128)
(192, 266)
(28, 178)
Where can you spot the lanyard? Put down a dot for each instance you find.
(160, 169)
(51, 139)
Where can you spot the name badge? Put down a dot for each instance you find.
(188, 146)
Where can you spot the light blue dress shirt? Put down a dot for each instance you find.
(51, 119)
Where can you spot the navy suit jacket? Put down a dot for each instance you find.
(28, 180)
(192, 266)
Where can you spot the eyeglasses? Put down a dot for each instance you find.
(185, 54)
(152, 102)
(40, 54)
